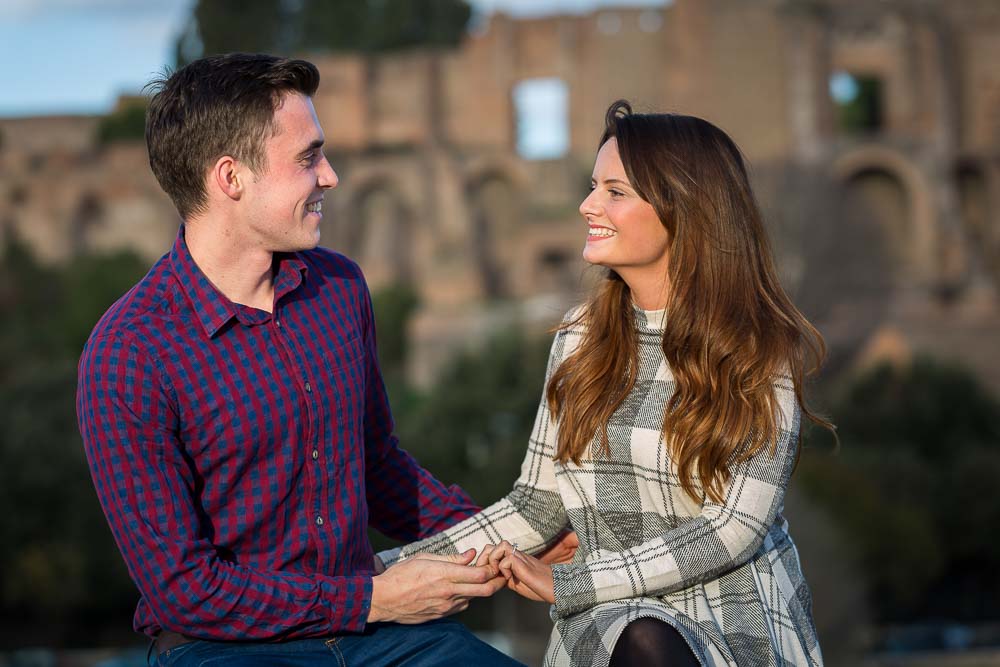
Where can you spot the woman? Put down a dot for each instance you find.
(670, 424)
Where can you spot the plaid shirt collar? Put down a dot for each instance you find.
(213, 308)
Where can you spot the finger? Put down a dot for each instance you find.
(460, 574)
(463, 558)
(501, 550)
(484, 555)
(483, 590)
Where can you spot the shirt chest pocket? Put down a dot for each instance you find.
(342, 378)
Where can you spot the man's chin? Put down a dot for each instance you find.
(299, 245)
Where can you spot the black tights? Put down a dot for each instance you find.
(647, 642)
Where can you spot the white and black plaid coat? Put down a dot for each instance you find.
(726, 576)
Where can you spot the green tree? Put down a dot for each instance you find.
(393, 306)
(61, 577)
(913, 487)
(472, 426)
(223, 26)
(123, 125)
(283, 27)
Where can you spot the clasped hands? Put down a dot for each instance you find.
(526, 575)
(427, 586)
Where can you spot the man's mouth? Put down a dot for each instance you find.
(315, 207)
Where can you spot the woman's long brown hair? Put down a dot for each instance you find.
(731, 330)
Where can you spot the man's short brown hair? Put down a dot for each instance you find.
(216, 106)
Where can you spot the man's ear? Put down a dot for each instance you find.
(228, 176)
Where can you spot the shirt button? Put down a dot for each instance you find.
(315, 454)
(277, 323)
(308, 388)
(319, 521)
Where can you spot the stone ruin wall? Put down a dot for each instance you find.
(433, 193)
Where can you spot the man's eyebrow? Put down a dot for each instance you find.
(316, 143)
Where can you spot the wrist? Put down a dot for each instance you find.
(376, 609)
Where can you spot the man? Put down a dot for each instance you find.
(234, 416)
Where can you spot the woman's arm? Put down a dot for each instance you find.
(721, 538)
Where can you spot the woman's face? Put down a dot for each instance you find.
(624, 232)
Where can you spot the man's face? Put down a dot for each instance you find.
(284, 203)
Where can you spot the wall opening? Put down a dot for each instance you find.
(380, 239)
(878, 200)
(860, 102)
(541, 118)
(494, 219)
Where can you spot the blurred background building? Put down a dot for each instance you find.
(873, 133)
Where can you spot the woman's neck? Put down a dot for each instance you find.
(649, 292)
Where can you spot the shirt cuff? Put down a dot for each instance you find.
(349, 601)
(390, 557)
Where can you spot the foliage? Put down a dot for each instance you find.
(359, 26)
(913, 487)
(59, 568)
(123, 125)
(472, 426)
(393, 306)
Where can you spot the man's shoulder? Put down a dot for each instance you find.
(333, 265)
(145, 305)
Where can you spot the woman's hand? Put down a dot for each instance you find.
(562, 550)
(526, 575)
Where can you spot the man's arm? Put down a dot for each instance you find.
(146, 488)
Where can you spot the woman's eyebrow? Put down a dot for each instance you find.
(612, 181)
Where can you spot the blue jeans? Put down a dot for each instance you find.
(442, 643)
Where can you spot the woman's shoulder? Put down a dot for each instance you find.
(574, 317)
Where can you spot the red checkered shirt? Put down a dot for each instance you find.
(241, 455)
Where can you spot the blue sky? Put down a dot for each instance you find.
(77, 56)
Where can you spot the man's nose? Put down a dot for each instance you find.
(327, 176)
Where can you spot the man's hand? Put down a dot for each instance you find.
(562, 550)
(427, 587)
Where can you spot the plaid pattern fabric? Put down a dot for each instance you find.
(241, 455)
(726, 576)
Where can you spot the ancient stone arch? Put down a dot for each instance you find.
(978, 212)
(86, 216)
(898, 196)
(494, 216)
(378, 232)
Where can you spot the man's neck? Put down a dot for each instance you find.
(239, 270)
